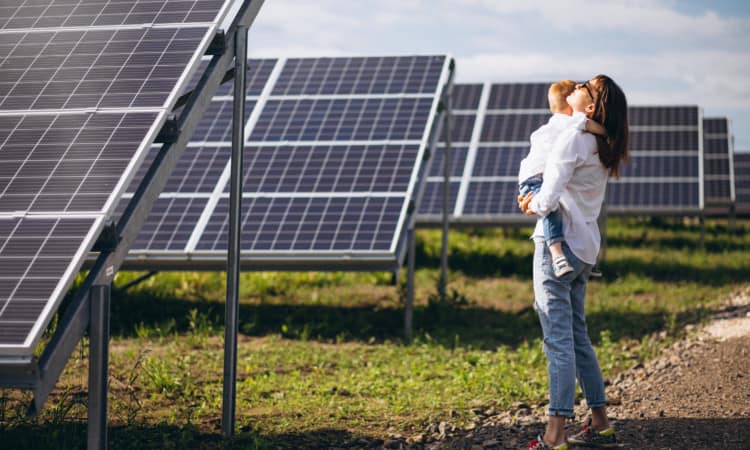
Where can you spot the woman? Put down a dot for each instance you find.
(575, 178)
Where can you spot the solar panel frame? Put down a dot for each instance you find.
(197, 257)
(99, 215)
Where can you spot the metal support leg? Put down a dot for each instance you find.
(409, 306)
(231, 324)
(702, 220)
(98, 363)
(443, 282)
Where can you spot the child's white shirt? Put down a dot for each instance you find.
(542, 140)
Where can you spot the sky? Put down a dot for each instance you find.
(661, 52)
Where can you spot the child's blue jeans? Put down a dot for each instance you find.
(553, 230)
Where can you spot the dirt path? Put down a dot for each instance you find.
(696, 395)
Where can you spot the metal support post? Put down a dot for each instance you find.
(98, 363)
(231, 325)
(409, 306)
(702, 220)
(443, 282)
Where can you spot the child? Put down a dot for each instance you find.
(530, 173)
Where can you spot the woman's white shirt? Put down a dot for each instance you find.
(542, 141)
(576, 181)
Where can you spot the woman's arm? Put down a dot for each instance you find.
(595, 127)
(559, 170)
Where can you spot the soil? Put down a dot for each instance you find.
(696, 395)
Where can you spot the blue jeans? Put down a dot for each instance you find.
(553, 229)
(559, 302)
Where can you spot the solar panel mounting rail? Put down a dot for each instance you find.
(89, 306)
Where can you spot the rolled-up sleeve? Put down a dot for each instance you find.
(557, 172)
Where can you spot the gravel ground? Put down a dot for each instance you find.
(696, 395)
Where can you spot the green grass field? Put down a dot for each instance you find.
(321, 357)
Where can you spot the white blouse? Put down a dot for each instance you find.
(575, 180)
(542, 141)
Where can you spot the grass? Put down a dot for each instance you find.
(321, 358)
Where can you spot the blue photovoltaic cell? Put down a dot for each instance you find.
(66, 162)
(169, 224)
(715, 126)
(742, 182)
(308, 224)
(664, 140)
(662, 116)
(519, 96)
(462, 125)
(432, 198)
(34, 255)
(94, 68)
(499, 161)
(466, 96)
(511, 127)
(216, 123)
(77, 13)
(654, 195)
(660, 166)
(458, 161)
(716, 168)
(343, 120)
(371, 75)
(325, 168)
(492, 198)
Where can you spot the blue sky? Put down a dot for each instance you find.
(659, 51)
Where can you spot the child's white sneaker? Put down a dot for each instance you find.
(561, 266)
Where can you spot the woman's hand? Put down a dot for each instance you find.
(524, 203)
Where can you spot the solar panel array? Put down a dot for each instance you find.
(718, 178)
(492, 124)
(742, 182)
(84, 89)
(332, 153)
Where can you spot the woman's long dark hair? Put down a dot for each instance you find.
(611, 110)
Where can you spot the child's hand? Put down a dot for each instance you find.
(524, 202)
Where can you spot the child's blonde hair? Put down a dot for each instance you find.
(558, 93)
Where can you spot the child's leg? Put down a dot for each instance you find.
(553, 235)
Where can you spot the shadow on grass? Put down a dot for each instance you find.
(510, 264)
(72, 435)
(441, 323)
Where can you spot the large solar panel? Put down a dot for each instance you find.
(742, 182)
(493, 124)
(333, 148)
(718, 175)
(85, 86)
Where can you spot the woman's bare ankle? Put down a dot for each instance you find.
(599, 419)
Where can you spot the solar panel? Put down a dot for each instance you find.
(495, 123)
(333, 151)
(717, 165)
(665, 171)
(742, 182)
(84, 89)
